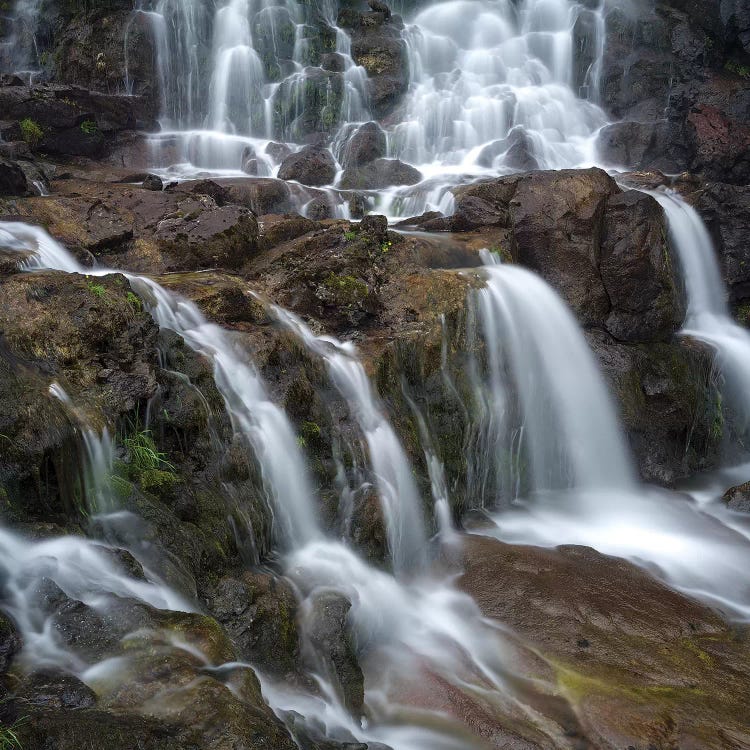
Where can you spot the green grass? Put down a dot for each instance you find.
(135, 301)
(350, 236)
(96, 289)
(143, 454)
(89, 127)
(9, 736)
(31, 132)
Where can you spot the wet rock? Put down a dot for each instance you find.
(629, 656)
(358, 205)
(258, 611)
(278, 229)
(333, 61)
(366, 143)
(10, 642)
(738, 498)
(726, 211)
(313, 165)
(327, 629)
(637, 271)
(319, 209)
(13, 180)
(152, 182)
(262, 196)
(278, 151)
(55, 689)
(379, 174)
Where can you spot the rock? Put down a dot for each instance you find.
(364, 145)
(358, 205)
(624, 618)
(327, 630)
(333, 61)
(380, 7)
(313, 165)
(51, 688)
(738, 498)
(152, 182)
(379, 174)
(726, 211)
(278, 151)
(13, 180)
(258, 611)
(319, 209)
(278, 229)
(10, 643)
(637, 271)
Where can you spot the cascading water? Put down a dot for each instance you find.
(579, 487)
(420, 638)
(399, 497)
(566, 435)
(708, 318)
(18, 49)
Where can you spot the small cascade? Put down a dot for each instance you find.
(18, 49)
(708, 318)
(254, 415)
(548, 422)
(493, 86)
(397, 490)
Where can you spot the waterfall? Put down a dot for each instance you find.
(253, 414)
(397, 490)
(18, 49)
(546, 402)
(708, 318)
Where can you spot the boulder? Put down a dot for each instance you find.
(738, 498)
(313, 165)
(13, 179)
(637, 271)
(380, 174)
(328, 632)
(367, 143)
(152, 182)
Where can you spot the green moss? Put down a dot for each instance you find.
(160, 483)
(96, 289)
(31, 131)
(135, 301)
(346, 289)
(737, 68)
(89, 127)
(350, 236)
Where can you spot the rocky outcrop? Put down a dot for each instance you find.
(313, 165)
(379, 174)
(378, 47)
(676, 74)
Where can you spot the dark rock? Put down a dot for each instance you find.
(278, 151)
(319, 209)
(313, 165)
(258, 611)
(153, 182)
(375, 225)
(364, 145)
(278, 229)
(56, 689)
(358, 205)
(10, 642)
(12, 179)
(738, 498)
(333, 61)
(637, 271)
(379, 174)
(327, 630)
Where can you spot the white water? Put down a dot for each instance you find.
(253, 414)
(708, 318)
(579, 486)
(419, 643)
(397, 490)
(566, 434)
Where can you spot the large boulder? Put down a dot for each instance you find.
(313, 165)
(367, 143)
(379, 174)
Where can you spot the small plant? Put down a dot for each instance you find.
(143, 453)
(134, 301)
(89, 127)
(386, 246)
(96, 289)
(9, 735)
(743, 71)
(31, 132)
(350, 236)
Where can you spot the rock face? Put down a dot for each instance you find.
(367, 143)
(675, 73)
(609, 654)
(379, 174)
(313, 165)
